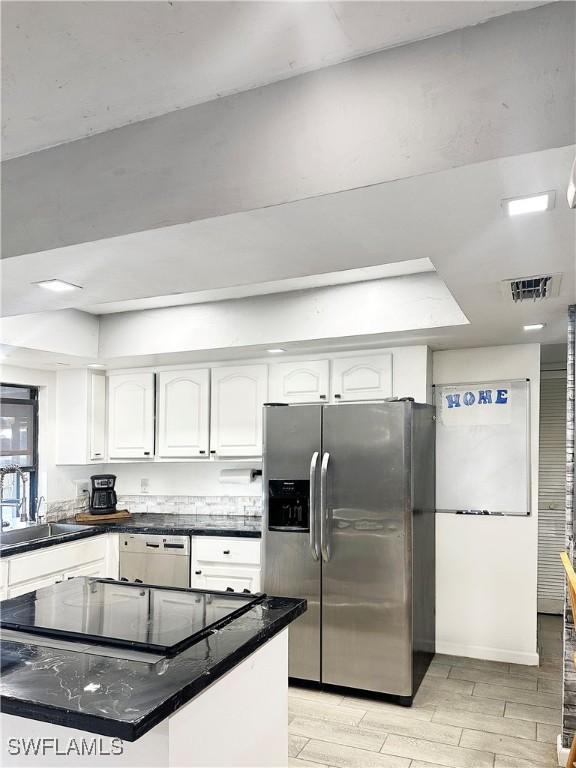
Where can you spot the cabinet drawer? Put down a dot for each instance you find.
(58, 558)
(32, 586)
(218, 549)
(222, 579)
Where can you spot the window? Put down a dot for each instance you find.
(19, 446)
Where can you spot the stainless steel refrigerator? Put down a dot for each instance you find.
(349, 525)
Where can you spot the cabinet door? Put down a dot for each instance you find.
(97, 418)
(126, 609)
(183, 413)
(222, 578)
(131, 415)
(362, 378)
(168, 608)
(238, 393)
(300, 382)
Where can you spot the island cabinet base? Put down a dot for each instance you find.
(240, 720)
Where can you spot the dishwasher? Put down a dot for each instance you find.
(160, 560)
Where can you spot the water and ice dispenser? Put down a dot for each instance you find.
(289, 505)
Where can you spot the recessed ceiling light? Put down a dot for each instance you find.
(534, 327)
(516, 206)
(276, 351)
(96, 365)
(58, 286)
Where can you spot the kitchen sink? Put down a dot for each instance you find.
(35, 532)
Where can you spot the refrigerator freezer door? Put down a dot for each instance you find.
(366, 577)
(290, 559)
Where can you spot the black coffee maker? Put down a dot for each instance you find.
(103, 497)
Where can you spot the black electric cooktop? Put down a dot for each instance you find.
(144, 617)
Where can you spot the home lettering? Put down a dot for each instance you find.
(479, 397)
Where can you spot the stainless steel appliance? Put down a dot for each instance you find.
(155, 559)
(103, 496)
(349, 525)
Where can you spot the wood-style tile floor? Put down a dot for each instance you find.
(467, 714)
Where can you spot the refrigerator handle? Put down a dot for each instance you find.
(324, 534)
(313, 524)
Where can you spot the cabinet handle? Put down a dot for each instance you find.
(201, 451)
(212, 451)
(146, 453)
(97, 454)
(197, 573)
(337, 397)
(322, 397)
(225, 551)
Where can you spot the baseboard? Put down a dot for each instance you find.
(561, 751)
(490, 654)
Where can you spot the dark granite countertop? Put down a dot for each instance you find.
(169, 524)
(117, 697)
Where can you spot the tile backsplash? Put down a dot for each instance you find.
(247, 506)
(60, 510)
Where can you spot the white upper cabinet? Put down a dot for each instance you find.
(362, 378)
(238, 393)
(131, 415)
(80, 417)
(303, 381)
(183, 416)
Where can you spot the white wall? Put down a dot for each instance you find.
(176, 479)
(373, 307)
(486, 567)
(67, 331)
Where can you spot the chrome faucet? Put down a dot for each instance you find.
(13, 469)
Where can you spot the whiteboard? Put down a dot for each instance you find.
(483, 447)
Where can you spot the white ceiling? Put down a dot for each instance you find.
(72, 69)
(454, 218)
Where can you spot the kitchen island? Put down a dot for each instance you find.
(221, 701)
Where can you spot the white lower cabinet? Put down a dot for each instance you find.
(43, 567)
(3, 579)
(225, 563)
(31, 586)
(130, 609)
(226, 579)
(96, 570)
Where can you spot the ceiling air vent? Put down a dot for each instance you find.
(532, 288)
